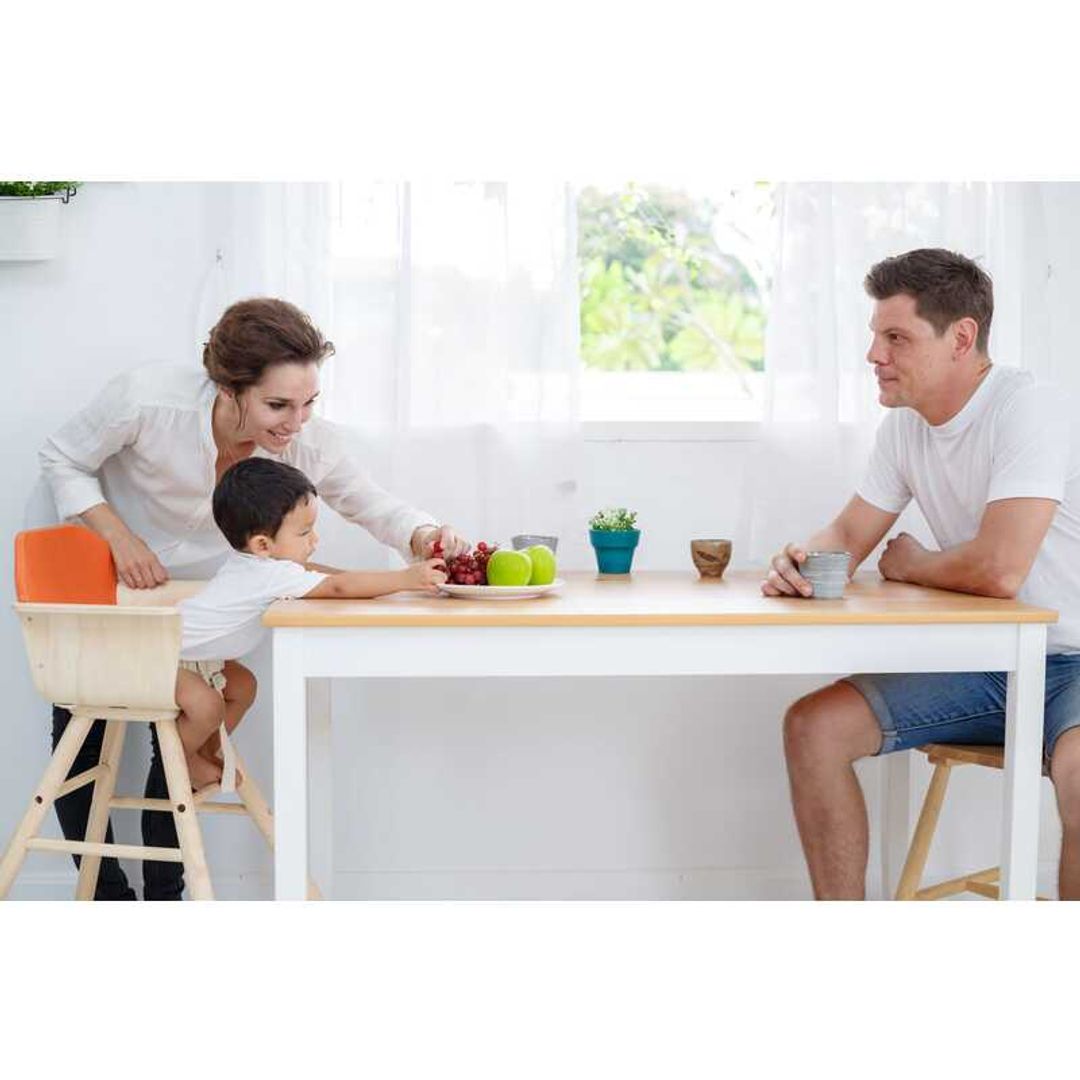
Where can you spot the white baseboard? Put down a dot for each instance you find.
(686, 884)
(752, 883)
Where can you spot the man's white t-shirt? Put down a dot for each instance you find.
(224, 620)
(1012, 440)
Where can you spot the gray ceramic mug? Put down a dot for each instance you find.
(524, 540)
(827, 572)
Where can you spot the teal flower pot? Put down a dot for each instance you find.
(614, 550)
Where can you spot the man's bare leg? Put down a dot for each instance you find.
(824, 734)
(1065, 772)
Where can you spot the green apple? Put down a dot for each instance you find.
(543, 564)
(509, 568)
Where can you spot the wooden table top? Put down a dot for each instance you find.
(652, 598)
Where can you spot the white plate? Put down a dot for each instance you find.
(500, 592)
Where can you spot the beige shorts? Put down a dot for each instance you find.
(212, 672)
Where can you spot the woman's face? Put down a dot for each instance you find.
(275, 409)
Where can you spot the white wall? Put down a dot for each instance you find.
(585, 789)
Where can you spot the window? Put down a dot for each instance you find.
(674, 289)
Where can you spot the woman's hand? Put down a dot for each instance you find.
(426, 537)
(136, 565)
(427, 575)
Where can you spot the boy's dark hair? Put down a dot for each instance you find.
(945, 285)
(253, 497)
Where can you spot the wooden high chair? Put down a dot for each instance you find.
(117, 662)
(944, 756)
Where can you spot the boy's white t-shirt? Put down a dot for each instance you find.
(224, 620)
(1013, 439)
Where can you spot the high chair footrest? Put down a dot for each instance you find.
(116, 851)
(131, 802)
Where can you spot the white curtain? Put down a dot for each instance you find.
(268, 240)
(821, 406)
(454, 309)
(455, 322)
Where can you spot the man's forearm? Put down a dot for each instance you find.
(965, 568)
(833, 538)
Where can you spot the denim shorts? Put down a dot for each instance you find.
(965, 707)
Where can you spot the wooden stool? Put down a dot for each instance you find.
(101, 660)
(943, 756)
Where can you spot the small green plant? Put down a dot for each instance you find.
(613, 519)
(33, 189)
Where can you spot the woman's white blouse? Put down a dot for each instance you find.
(145, 446)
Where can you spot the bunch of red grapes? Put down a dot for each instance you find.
(468, 569)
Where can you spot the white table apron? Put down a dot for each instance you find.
(303, 653)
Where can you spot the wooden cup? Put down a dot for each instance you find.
(710, 556)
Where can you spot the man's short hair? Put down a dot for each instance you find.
(253, 497)
(945, 285)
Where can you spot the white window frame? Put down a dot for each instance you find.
(670, 430)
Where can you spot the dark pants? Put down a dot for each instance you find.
(161, 880)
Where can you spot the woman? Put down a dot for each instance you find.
(138, 465)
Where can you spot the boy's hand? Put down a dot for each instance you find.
(427, 575)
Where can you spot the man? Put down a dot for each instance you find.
(986, 453)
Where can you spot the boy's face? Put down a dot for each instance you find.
(296, 539)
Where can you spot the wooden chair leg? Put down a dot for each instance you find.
(259, 811)
(917, 854)
(183, 803)
(55, 773)
(98, 822)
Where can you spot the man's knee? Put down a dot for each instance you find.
(1065, 773)
(832, 723)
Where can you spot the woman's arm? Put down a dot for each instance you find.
(346, 488)
(136, 565)
(70, 460)
(72, 455)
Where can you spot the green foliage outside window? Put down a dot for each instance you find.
(670, 282)
(33, 189)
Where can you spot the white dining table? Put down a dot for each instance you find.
(662, 624)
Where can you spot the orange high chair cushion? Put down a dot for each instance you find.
(63, 564)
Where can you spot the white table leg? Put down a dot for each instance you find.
(898, 815)
(1023, 765)
(290, 766)
(321, 781)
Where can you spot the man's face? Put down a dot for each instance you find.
(910, 360)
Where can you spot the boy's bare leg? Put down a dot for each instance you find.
(239, 694)
(201, 712)
(824, 734)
